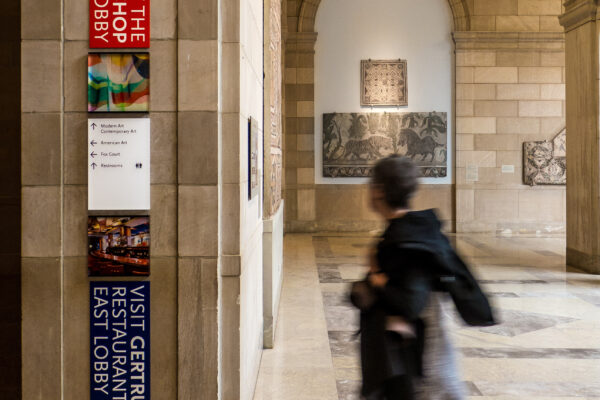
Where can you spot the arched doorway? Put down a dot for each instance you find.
(308, 12)
(304, 194)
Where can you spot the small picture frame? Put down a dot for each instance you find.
(384, 83)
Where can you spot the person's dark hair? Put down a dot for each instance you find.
(398, 177)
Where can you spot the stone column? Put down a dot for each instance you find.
(42, 189)
(299, 128)
(199, 200)
(583, 133)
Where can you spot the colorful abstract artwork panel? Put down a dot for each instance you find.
(118, 82)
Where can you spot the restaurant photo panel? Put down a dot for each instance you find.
(119, 245)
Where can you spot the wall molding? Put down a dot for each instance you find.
(300, 42)
(509, 41)
(578, 13)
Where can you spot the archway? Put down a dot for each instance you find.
(303, 190)
(309, 8)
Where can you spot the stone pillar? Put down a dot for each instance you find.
(299, 159)
(583, 133)
(42, 188)
(199, 201)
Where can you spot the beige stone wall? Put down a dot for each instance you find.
(509, 88)
(198, 196)
(515, 15)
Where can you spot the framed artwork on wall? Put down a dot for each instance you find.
(119, 245)
(253, 180)
(118, 82)
(383, 83)
(354, 142)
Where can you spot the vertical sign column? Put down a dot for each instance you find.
(120, 340)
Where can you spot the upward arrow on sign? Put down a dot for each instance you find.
(94, 125)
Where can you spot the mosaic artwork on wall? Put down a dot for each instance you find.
(383, 83)
(354, 142)
(118, 82)
(545, 162)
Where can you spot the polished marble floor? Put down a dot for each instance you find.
(546, 348)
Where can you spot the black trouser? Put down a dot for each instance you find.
(402, 359)
(397, 388)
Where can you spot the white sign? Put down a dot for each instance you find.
(119, 164)
(472, 173)
(508, 169)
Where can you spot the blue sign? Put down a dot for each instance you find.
(120, 340)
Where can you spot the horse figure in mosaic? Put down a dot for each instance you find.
(416, 145)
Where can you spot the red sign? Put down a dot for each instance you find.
(119, 24)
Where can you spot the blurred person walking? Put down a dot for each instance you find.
(406, 351)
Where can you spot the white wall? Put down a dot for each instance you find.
(349, 31)
(251, 232)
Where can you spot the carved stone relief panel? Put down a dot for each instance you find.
(545, 162)
(383, 83)
(273, 196)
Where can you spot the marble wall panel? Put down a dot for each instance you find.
(75, 148)
(40, 135)
(198, 75)
(198, 148)
(163, 19)
(75, 221)
(41, 77)
(75, 67)
(163, 220)
(197, 225)
(41, 224)
(163, 72)
(76, 333)
(41, 327)
(163, 147)
(41, 20)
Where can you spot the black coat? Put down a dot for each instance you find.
(418, 259)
